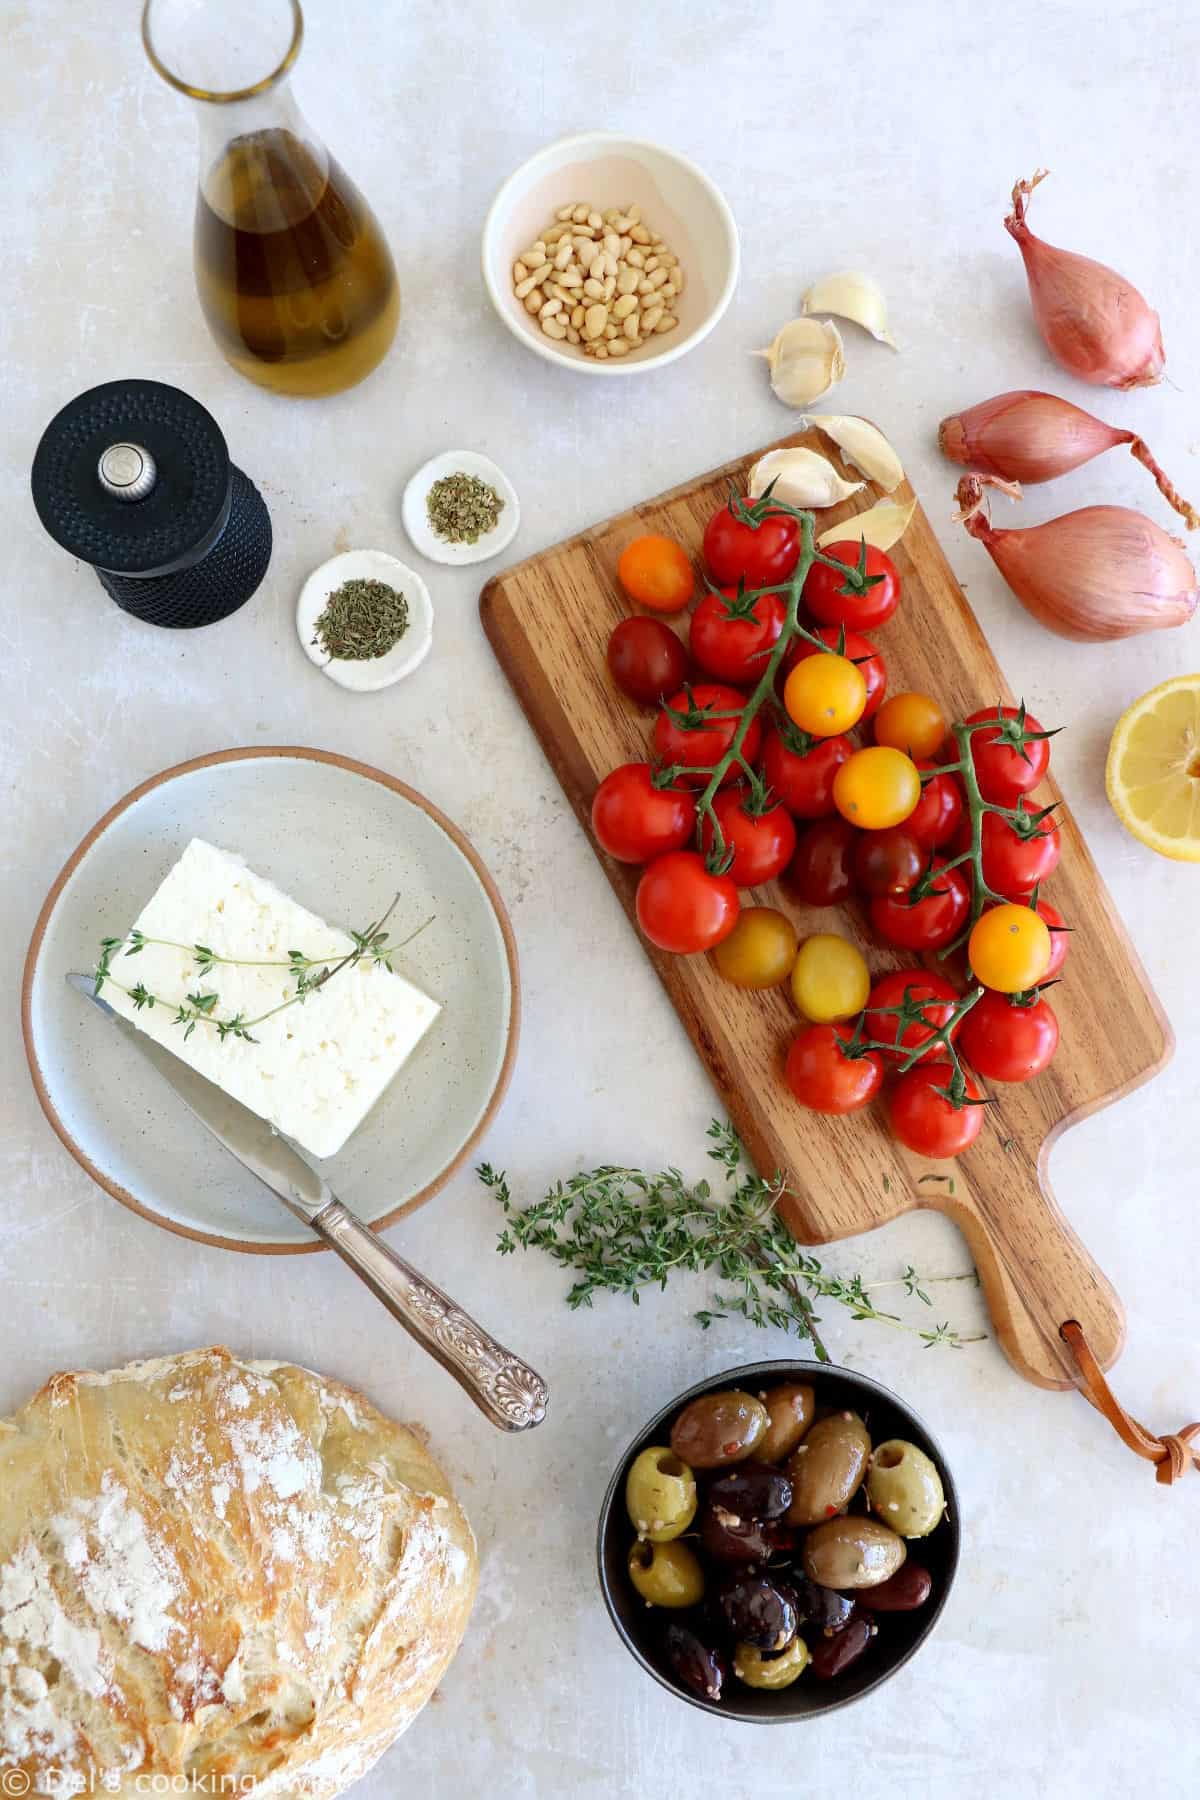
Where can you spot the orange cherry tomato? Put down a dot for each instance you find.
(876, 787)
(911, 722)
(656, 572)
(825, 695)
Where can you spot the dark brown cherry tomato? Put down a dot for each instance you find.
(634, 820)
(701, 746)
(759, 555)
(1007, 1039)
(906, 1590)
(799, 769)
(825, 1078)
(832, 1656)
(859, 649)
(731, 637)
(762, 842)
(699, 1666)
(842, 600)
(925, 1121)
(1003, 769)
(927, 924)
(758, 1611)
(931, 993)
(890, 861)
(821, 873)
(646, 659)
(935, 818)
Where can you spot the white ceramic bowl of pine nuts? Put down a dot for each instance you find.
(607, 254)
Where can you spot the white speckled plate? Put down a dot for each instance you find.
(415, 512)
(402, 658)
(341, 838)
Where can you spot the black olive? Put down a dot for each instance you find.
(699, 1667)
(823, 1607)
(758, 1611)
(727, 1538)
(752, 1492)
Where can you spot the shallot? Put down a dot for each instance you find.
(1030, 437)
(1103, 572)
(1094, 322)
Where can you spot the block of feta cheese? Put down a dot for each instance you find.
(316, 1069)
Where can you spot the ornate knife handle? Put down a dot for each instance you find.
(513, 1395)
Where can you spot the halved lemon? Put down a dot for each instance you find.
(1153, 772)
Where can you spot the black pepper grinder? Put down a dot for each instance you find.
(134, 477)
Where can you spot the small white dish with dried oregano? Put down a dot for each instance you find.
(365, 619)
(460, 507)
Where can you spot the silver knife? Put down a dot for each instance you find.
(512, 1395)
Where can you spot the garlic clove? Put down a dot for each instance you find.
(882, 525)
(863, 446)
(806, 359)
(801, 478)
(851, 296)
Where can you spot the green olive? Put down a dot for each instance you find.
(759, 1669)
(852, 1553)
(666, 1574)
(826, 1469)
(719, 1428)
(789, 1415)
(905, 1489)
(660, 1494)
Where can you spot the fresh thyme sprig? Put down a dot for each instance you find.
(620, 1230)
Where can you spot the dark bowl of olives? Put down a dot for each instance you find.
(778, 1541)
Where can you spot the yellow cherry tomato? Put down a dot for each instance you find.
(1009, 948)
(759, 951)
(655, 572)
(911, 722)
(825, 694)
(876, 787)
(830, 979)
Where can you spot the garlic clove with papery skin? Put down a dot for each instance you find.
(882, 525)
(863, 446)
(806, 359)
(851, 296)
(800, 477)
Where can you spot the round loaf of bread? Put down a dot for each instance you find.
(238, 1575)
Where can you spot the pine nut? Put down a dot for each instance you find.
(564, 212)
(657, 278)
(643, 286)
(550, 309)
(627, 282)
(623, 223)
(577, 313)
(563, 254)
(634, 214)
(677, 278)
(572, 335)
(520, 272)
(593, 289)
(651, 264)
(614, 212)
(610, 287)
(636, 258)
(525, 287)
(631, 328)
(651, 316)
(611, 331)
(555, 234)
(624, 306)
(619, 347)
(534, 302)
(554, 328)
(639, 234)
(600, 351)
(594, 321)
(626, 245)
(668, 290)
(668, 322)
(570, 278)
(665, 257)
(595, 221)
(579, 214)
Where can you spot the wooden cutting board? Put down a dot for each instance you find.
(549, 620)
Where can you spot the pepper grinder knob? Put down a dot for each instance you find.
(127, 471)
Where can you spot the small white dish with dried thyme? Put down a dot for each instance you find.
(460, 507)
(365, 619)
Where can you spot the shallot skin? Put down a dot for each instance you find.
(1094, 322)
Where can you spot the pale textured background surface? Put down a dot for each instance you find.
(1064, 1663)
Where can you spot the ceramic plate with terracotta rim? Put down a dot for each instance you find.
(341, 838)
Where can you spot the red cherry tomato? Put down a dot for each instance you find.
(924, 1120)
(836, 599)
(824, 1078)
(702, 746)
(1003, 770)
(646, 659)
(760, 555)
(634, 820)
(859, 649)
(762, 843)
(931, 994)
(927, 924)
(1013, 865)
(889, 861)
(799, 769)
(731, 638)
(822, 871)
(1009, 1040)
(935, 819)
(1060, 938)
(682, 906)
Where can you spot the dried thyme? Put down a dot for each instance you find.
(462, 508)
(361, 620)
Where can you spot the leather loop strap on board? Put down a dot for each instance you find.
(1173, 1454)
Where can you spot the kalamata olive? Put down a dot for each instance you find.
(759, 1669)
(660, 1494)
(752, 1492)
(904, 1591)
(826, 1470)
(905, 1489)
(852, 1553)
(822, 1607)
(729, 1539)
(719, 1428)
(666, 1574)
(697, 1665)
(790, 1413)
(834, 1655)
(758, 1611)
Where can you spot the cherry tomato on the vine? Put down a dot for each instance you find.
(657, 573)
(731, 638)
(1009, 1040)
(911, 722)
(924, 1120)
(861, 599)
(635, 820)
(877, 787)
(682, 906)
(1009, 948)
(762, 842)
(825, 695)
(761, 554)
(825, 1077)
(1060, 937)
(759, 951)
(799, 769)
(859, 649)
(702, 745)
(889, 861)
(1003, 769)
(935, 818)
(929, 923)
(931, 995)
(830, 979)
(1014, 863)
(646, 659)
(822, 871)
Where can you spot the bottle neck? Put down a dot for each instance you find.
(260, 160)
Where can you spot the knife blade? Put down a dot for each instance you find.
(511, 1394)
